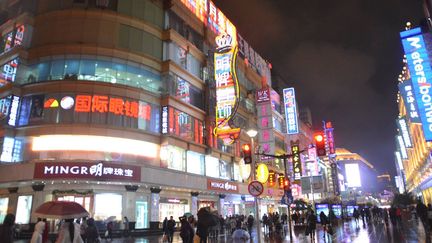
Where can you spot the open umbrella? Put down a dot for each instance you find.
(60, 210)
(111, 218)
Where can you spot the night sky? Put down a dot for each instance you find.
(342, 56)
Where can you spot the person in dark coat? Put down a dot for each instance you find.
(205, 220)
(422, 213)
(250, 222)
(7, 229)
(186, 230)
(91, 232)
(311, 225)
(171, 228)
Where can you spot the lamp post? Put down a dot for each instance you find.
(252, 134)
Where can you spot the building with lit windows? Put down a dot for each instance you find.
(359, 173)
(114, 101)
(413, 137)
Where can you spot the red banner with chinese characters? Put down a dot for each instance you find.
(87, 170)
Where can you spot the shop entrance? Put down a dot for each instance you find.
(141, 215)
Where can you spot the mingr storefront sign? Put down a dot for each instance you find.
(90, 171)
(222, 186)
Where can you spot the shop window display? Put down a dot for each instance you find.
(225, 170)
(195, 163)
(141, 214)
(82, 200)
(104, 210)
(4, 202)
(173, 157)
(172, 207)
(23, 211)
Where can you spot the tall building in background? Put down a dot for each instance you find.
(114, 101)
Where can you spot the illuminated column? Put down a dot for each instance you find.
(221, 204)
(154, 208)
(129, 202)
(194, 203)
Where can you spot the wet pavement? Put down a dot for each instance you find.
(407, 231)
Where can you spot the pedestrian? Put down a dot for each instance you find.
(240, 235)
(250, 222)
(186, 230)
(264, 221)
(356, 216)
(91, 232)
(126, 226)
(295, 218)
(386, 216)
(324, 222)
(69, 232)
(45, 234)
(108, 233)
(7, 229)
(311, 225)
(38, 231)
(170, 228)
(83, 227)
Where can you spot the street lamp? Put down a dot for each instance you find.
(252, 134)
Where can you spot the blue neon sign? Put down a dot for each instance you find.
(290, 111)
(421, 76)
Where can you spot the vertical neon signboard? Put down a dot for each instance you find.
(297, 166)
(404, 130)
(290, 111)
(227, 88)
(421, 75)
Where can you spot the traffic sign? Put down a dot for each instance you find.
(255, 188)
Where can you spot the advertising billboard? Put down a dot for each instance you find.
(406, 91)
(352, 173)
(401, 146)
(297, 166)
(290, 111)
(421, 75)
(321, 207)
(337, 210)
(404, 130)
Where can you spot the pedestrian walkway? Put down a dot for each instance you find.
(408, 231)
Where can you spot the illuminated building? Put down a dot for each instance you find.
(413, 161)
(357, 171)
(114, 101)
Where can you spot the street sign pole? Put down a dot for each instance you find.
(257, 217)
(288, 202)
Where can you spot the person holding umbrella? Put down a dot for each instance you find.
(69, 232)
(38, 231)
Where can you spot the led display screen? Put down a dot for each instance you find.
(352, 174)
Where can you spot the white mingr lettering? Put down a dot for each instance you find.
(48, 170)
(75, 170)
(64, 169)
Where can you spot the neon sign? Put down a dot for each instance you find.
(8, 72)
(117, 106)
(402, 147)
(227, 88)
(164, 119)
(290, 111)
(406, 90)
(297, 166)
(421, 73)
(14, 110)
(402, 124)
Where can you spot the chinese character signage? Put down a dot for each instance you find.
(8, 72)
(421, 75)
(330, 138)
(90, 171)
(164, 119)
(401, 146)
(404, 130)
(227, 89)
(290, 111)
(406, 91)
(263, 95)
(297, 166)
(13, 114)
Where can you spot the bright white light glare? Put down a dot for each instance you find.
(94, 143)
(352, 173)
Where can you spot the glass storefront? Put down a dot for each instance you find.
(108, 205)
(4, 202)
(212, 166)
(23, 209)
(195, 163)
(100, 69)
(172, 207)
(141, 214)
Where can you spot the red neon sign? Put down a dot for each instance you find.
(117, 106)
